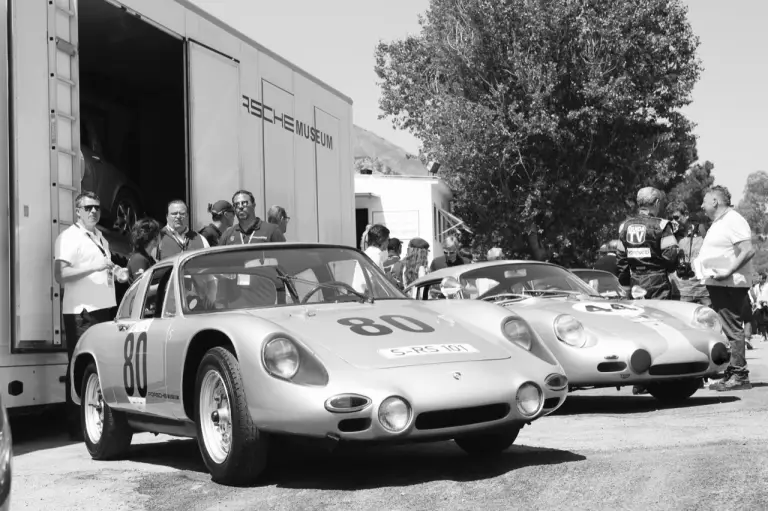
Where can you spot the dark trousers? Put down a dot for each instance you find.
(75, 326)
(728, 303)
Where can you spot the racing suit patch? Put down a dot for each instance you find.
(639, 253)
(636, 234)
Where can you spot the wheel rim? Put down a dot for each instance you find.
(215, 416)
(125, 216)
(94, 409)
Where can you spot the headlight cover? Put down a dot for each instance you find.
(518, 331)
(570, 331)
(704, 317)
(529, 399)
(394, 414)
(281, 358)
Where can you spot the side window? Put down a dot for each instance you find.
(169, 308)
(155, 296)
(126, 306)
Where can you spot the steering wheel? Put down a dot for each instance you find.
(325, 284)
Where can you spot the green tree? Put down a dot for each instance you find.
(692, 188)
(754, 204)
(547, 114)
(374, 164)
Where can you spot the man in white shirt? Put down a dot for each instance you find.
(378, 241)
(83, 267)
(725, 261)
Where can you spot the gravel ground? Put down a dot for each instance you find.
(603, 450)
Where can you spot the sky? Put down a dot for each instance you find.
(335, 41)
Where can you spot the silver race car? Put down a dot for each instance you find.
(232, 345)
(665, 347)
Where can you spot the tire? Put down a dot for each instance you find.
(487, 444)
(674, 391)
(106, 433)
(125, 211)
(239, 457)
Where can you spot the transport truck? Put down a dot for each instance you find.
(143, 102)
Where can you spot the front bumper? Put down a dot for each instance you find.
(447, 400)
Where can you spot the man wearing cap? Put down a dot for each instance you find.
(648, 248)
(249, 228)
(608, 260)
(222, 217)
(176, 236)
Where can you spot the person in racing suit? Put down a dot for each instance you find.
(648, 249)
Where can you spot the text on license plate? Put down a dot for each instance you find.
(427, 349)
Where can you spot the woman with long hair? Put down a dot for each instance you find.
(416, 261)
(145, 236)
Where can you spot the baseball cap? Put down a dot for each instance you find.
(220, 207)
(418, 243)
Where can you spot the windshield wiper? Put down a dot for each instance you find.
(339, 285)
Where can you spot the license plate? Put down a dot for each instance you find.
(639, 253)
(427, 349)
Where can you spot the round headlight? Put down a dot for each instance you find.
(570, 331)
(705, 317)
(394, 414)
(281, 358)
(517, 331)
(529, 399)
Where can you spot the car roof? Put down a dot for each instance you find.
(592, 270)
(183, 256)
(455, 271)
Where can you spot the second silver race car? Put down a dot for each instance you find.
(233, 345)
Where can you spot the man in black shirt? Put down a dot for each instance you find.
(608, 260)
(249, 228)
(451, 247)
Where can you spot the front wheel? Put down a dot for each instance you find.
(485, 444)
(671, 392)
(233, 449)
(106, 433)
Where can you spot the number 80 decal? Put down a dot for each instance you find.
(135, 379)
(367, 326)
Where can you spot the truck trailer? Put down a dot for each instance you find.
(143, 102)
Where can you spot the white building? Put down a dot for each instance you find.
(410, 206)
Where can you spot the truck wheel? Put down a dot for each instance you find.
(485, 444)
(233, 449)
(671, 392)
(125, 211)
(106, 432)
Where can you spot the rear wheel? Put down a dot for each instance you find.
(106, 432)
(674, 391)
(233, 449)
(491, 443)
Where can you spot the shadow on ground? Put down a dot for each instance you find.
(39, 431)
(298, 466)
(623, 404)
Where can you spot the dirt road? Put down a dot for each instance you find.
(604, 450)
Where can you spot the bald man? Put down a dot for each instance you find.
(648, 248)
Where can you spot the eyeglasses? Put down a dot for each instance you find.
(242, 204)
(92, 207)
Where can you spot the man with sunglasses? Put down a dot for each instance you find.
(249, 228)
(690, 237)
(83, 267)
(451, 247)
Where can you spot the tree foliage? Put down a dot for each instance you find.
(375, 165)
(692, 188)
(547, 115)
(753, 207)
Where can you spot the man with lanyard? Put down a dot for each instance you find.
(176, 236)
(648, 249)
(690, 239)
(84, 269)
(249, 228)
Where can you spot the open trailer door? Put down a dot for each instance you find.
(45, 161)
(214, 149)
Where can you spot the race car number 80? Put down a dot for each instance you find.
(367, 326)
(135, 379)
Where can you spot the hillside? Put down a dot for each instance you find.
(370, 145)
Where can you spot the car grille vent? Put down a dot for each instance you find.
(682, 368)
(461, 416)
(353, 425)
(611, 367)
(551, 402)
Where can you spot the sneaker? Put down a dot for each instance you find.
(733, 384)
(719, 383)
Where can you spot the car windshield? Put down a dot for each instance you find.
(605, 283)
(256, 277)
(521, 279)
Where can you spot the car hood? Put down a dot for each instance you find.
(399, 333)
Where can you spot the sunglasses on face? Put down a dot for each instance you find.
(92, 207)
(242, 204)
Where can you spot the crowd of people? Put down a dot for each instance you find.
(674, 258)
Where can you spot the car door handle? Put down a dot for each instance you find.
(122, 327)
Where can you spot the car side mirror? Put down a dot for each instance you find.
(450, 287)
